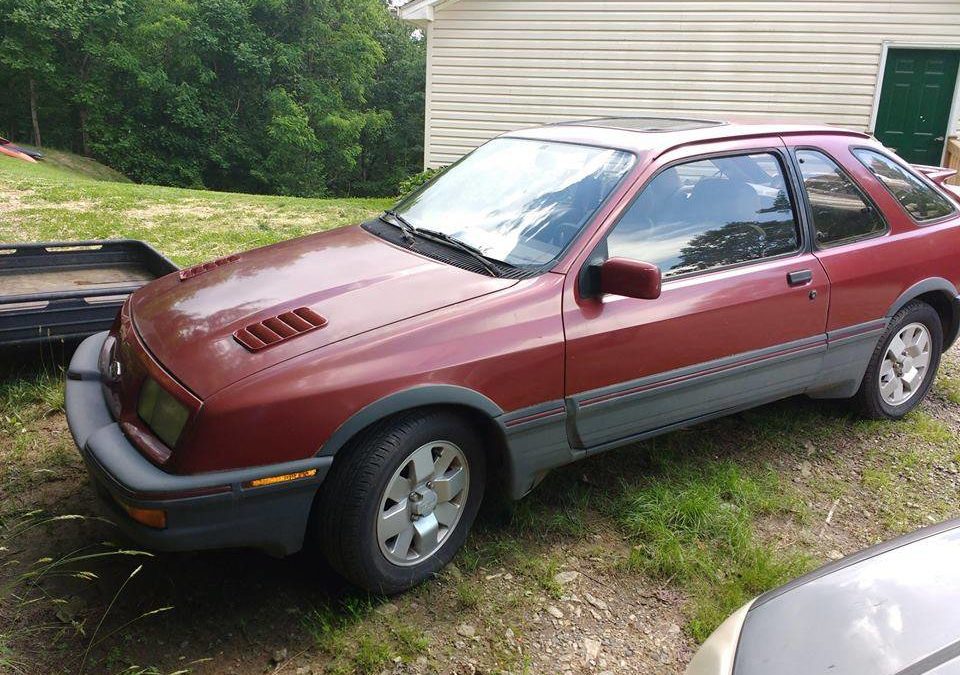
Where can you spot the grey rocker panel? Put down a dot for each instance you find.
(848, 355)
(537, 440)
(605, 415)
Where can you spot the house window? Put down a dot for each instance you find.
(919, 199)
(709, 213)
(840, 212)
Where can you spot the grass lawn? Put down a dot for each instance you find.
(74, 199)
(622, 563)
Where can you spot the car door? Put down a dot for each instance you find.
(742, 314)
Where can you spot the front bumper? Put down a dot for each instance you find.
(203, 511)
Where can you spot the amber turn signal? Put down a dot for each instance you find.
(156, 518)
(282, 478)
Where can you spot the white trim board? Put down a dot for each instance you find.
(887, 45)
(422, 11)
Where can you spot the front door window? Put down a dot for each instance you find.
(709, 213)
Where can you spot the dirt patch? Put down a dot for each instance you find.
(14, 200)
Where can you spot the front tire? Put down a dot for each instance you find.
(398, 504)
(904, 364)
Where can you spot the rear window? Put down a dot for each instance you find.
(840, 212)
(919, 199)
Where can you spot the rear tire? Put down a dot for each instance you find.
(398, 503)
(904, 363)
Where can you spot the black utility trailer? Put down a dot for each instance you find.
(60, 290)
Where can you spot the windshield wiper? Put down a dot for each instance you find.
(444, 238)
(410, 232)
(406, 227)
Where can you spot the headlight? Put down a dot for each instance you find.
(165, 416)
(715, 656)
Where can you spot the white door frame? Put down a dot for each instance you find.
(887, 45)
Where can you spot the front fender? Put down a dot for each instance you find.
(407, 399)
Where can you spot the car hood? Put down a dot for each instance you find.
(888, 609)
(354, 280)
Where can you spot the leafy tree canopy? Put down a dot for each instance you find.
(296, 97)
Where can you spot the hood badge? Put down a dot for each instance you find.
(262, 334)
(115, 370)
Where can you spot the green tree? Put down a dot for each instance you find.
(302, 97)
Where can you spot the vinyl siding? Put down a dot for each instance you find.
(499, 65)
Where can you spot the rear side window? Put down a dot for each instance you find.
(709, 213)
(841, 214)
(919, 199)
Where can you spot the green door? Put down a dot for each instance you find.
(914, 111)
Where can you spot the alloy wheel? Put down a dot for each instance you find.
(422, 503)
(905, 364)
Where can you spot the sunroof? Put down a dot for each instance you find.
(647, 123)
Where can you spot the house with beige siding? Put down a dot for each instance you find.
(498, 65)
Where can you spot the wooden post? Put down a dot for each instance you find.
(33, 113)
(953, 159)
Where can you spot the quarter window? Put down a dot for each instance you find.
(919, 199)
(709, 213)
(840, 212)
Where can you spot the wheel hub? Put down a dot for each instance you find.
(423, 501)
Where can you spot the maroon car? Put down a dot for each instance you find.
(559, 292)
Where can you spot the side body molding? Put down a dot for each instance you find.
(406, 399)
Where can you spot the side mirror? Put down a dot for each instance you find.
(630, 278)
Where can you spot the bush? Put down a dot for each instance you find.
(410, 185)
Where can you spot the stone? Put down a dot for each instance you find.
(596, 602)
(564, 578)
(466, 630)
(554, 612)
(591, 649)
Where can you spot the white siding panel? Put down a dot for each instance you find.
(500, 65)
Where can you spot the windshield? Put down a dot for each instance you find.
(516, 200)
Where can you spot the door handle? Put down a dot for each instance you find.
(799, 278)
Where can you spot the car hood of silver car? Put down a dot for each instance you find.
(893, 608)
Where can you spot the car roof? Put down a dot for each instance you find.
(647, 135)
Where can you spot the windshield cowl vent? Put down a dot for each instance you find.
(190, 272)
(277, 329)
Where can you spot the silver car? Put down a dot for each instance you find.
(891, 609)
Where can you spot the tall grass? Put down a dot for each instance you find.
(693, 526)
(45, 586)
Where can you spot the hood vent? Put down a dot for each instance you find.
(190, 272)
(276, 329)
